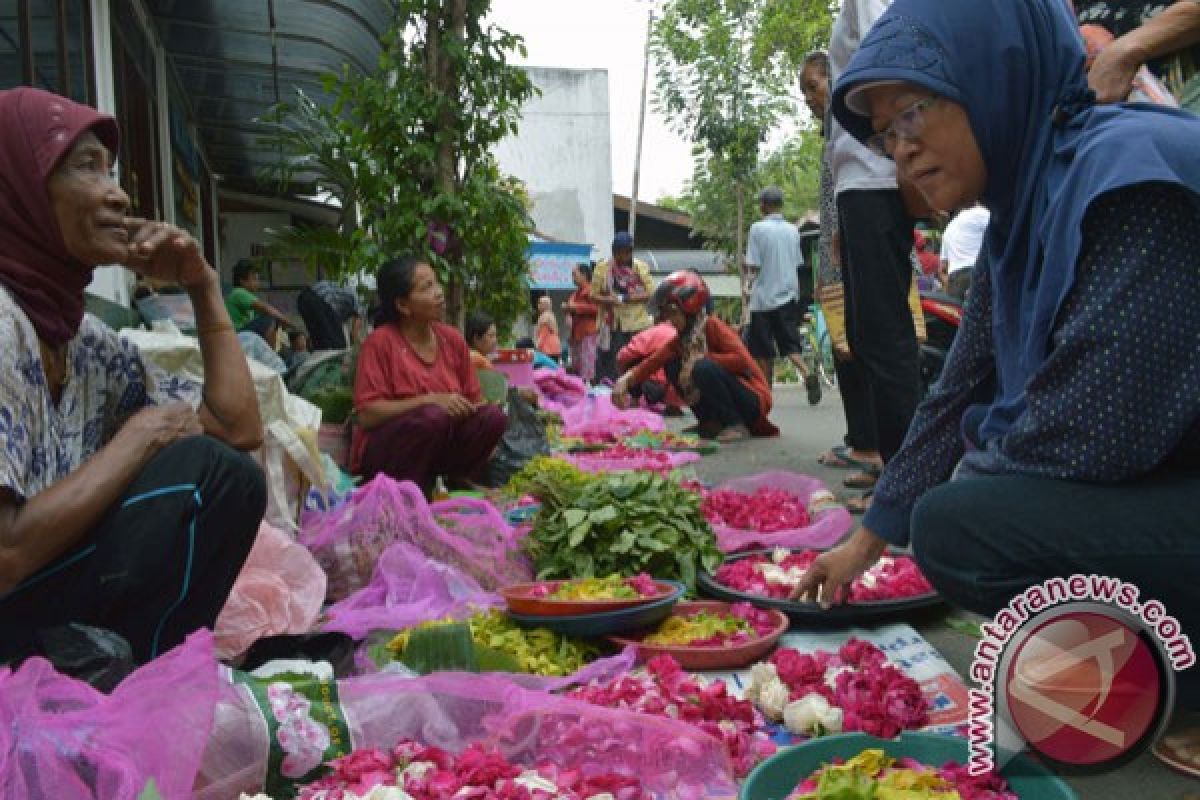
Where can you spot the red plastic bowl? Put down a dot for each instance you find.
(520, 602)
(700, 658)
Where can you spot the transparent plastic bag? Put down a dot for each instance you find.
(597, 416)
(60, 738)
(280, 590)
(829, 521)
(348, 541)
(451, 710)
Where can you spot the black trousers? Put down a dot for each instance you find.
(858, 405)
(606, 360)
(162, 561)
(723, 398)
(325, 330)
(877, 238)
(982, 541)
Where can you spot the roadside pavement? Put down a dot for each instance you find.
(807, 431)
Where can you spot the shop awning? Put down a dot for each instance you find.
(236, 58)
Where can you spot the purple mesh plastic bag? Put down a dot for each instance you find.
(60, 738)
(558, 390)
(829, 521)
(598, 416)
(408, 588)
(348, 541)
(451, 710)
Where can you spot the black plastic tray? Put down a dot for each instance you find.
(848, 614)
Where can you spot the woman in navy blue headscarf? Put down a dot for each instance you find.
(1064, 435)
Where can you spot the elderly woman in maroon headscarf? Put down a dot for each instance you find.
(124, 500)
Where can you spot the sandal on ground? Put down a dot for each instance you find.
(863, 479)
(734, 433)
(1180, 750)
(859, 505)
(839, 458)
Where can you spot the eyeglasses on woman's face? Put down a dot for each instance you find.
(907, 125)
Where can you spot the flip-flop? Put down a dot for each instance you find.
(838, 457)
(864, 479)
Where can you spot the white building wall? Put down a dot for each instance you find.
(563, 153)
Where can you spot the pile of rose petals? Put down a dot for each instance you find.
(766, 511)
(665, 690)
(777, 574)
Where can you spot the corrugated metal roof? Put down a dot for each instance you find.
(664, 262)
(235, 58)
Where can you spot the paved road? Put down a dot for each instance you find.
(807, 432)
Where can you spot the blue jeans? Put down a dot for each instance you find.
(724, 400)
(982, 541)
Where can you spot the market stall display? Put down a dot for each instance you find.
(854, 689)
(665, 690)
(625, 523)
(584, 595)
(774, 509)
(767, 578)
(711, 635)
(533, 650)
(605, 623)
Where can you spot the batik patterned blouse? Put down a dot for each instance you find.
(107, 380)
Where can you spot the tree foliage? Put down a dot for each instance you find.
(407, 151)
(709, 195)
(791, 29)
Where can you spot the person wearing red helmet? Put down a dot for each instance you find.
(708, 365)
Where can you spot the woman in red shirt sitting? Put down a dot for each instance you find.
(708, 364)
(420, 409)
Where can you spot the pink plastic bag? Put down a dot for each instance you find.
(408, 588)
(598, 416)
(60, 738)
(347, 541)
(479, 540)
(558, 390)
(280, 590)
(451, 710)
(830, 522)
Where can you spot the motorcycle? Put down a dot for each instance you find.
(943, 317)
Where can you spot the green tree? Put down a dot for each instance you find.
(414, 140)
(791, 29)
(718, 90)
(710, 199)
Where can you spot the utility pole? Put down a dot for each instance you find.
(637, 158)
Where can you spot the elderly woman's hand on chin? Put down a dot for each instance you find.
(828, 580)
(164, 252)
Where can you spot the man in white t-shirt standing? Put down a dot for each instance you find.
(960, 249)
(875, 240)
(773, 257)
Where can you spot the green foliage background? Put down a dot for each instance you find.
(410, 145)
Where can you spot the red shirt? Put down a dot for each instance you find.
(583, 317)
(390, 369)
(725, 349)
